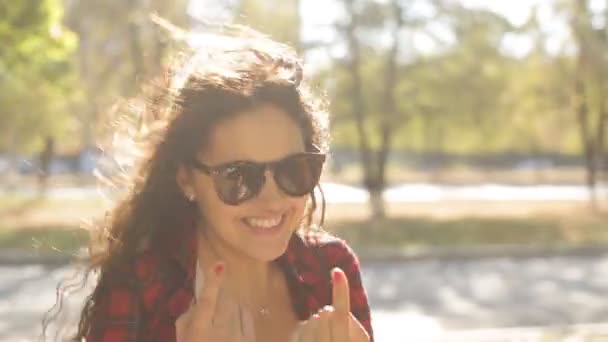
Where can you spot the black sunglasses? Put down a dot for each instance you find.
(238, 181)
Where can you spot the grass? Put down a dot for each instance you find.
(400, 233)
(55, 224)
(463, 175)
(42, 224)
(422, 232)
(405, 233)
(461, 223)
(44, 238)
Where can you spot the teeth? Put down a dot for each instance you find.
(263, 223)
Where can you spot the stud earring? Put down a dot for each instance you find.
(191, 197)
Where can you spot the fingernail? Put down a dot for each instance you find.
(337, 276)
(218, 269)
(315, 316)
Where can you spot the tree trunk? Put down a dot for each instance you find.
(601, 161)
(356, 90)
(356, 94)
(389, 112)
(581, 27)
(377, 204)
(582, 112)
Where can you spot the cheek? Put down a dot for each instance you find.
(213, 210)
(220, 218)
(299, 207)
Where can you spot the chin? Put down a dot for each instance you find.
(269, 253)
(273, 251)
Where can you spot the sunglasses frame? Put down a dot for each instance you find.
(217, 170)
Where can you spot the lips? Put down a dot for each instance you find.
(265, 226)
(264, 223)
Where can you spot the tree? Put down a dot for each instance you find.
(285, 23)
(378, 117)
(388, 88)
(120, 48)
(36, 79)
(590, 85)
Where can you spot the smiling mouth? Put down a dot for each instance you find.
(265, 225)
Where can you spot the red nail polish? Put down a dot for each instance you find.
(315, 316)
(337, 276)
(218, 269)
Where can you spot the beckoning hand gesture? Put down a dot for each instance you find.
(333, 323)
(215, 317)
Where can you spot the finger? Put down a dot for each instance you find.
(324, 330)
(341, 292)
(295, 337)
(341, 304)
(227, 314)
(310, 330)
(247, 325)
(356, 329)
(297, 334)
(181, 324)
(205, 306)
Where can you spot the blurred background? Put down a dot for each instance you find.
(469, 163)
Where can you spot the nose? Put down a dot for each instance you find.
(270, 193)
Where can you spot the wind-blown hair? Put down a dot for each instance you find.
(223, 75)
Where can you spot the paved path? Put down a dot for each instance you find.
(426, 298)
(411, 301)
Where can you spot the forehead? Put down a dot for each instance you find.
(263, 133)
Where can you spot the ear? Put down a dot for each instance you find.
(184, 180)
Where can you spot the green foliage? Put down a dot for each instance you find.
(467, 96)
(120, 49)
(36, 69)
(278, 19)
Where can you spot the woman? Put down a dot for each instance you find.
(215, 240)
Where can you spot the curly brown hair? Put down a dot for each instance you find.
(229, 74)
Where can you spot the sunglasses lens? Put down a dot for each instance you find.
(298, 175)
(238, 183)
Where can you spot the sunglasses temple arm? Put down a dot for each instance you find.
(197, 164)
(322, 203)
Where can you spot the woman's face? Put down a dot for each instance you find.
(263, 134)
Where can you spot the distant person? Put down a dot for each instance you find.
(214, 240)
(45, 159)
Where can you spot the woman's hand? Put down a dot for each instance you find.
(333, 323)
(214, 317)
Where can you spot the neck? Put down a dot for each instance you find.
(248, 280)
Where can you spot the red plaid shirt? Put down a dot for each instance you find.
(146, 306)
